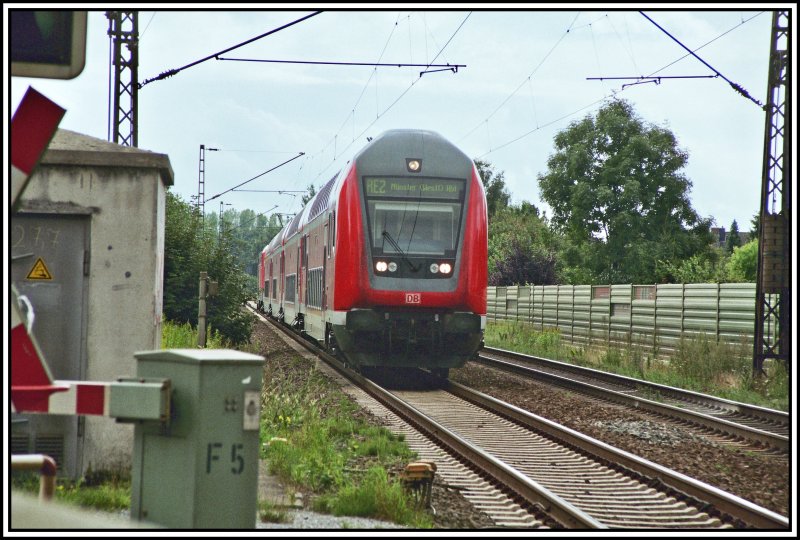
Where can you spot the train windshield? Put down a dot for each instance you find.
(414, 216)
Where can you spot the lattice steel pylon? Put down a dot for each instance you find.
(773, 338)
(123, 33)
(201, 183)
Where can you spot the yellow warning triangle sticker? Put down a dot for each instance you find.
(39, 271)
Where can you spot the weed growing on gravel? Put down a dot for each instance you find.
(314, 437)
(376, 496)
(268, 513)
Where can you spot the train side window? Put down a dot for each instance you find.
(333, 229)
(290, 289)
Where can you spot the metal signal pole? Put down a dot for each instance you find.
(773, 337)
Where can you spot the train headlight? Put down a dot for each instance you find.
(445, 268)
(414, 165)
(434, 268)
(392, 266)
(381, 266)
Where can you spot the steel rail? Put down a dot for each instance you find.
(727, 503)
(530, 491)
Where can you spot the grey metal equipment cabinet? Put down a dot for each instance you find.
(200, 470)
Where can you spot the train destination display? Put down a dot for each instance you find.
(428, 188)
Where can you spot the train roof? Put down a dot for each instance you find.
(320, 201)
(316, 206)
(381, 154)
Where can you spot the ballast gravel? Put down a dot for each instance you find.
(303, 519)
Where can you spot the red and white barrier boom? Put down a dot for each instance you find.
(32, 128)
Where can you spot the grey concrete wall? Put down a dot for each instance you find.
(123, 190)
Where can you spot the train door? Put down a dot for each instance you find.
(302, 263)
(271, 292)
(325, 268)
(299, 278)
(283, 284)
(263, 285)
(306, 239)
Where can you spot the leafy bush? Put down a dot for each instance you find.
(743, 264)
(190, 248)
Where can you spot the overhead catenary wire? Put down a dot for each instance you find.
(360, 96)
(527, 79)
(171, 72)
(526, 134)
(710, 41)
(537, 128)
(736, 87)
(653, 74)
(153, 16)
(380, 114)
(279, 191)
(655, 77)
(264, 213)
(446, 67)
(255, 177)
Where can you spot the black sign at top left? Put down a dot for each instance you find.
(48, 44)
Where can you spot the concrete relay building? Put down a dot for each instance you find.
(87, 246)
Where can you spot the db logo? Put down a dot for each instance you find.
(413, 298)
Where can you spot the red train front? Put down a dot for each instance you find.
(387, 265)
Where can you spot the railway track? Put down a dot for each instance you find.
(526, 471)
(730, 422)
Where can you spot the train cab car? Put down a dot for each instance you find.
(387, 265)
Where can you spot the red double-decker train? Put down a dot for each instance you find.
(387, 264)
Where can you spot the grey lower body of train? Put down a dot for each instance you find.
(372, 337)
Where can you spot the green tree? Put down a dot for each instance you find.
(190, 246)
(706, 267)
(494, 184)
(618, 195)
(732, 240)
(755, 226)
(521, 248)
(310, 195)
(743, 264)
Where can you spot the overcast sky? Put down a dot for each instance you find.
(524, 79)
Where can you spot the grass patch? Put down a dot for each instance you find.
(376, 496)
(699, 364)
(268, 513)
(317, 439)
(184, 336)
(111, 493)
